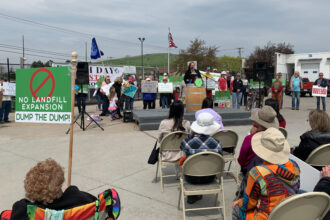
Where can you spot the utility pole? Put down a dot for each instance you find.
(85, 51)
(240, 51)
(8, 69)
(142, 39)
(22, 59)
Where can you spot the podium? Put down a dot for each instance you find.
(194, 97)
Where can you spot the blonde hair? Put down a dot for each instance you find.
(119, 80)
(319, 120)
(112, 93)
(43, 183)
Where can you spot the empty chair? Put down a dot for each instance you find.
(306, 206)
(320, 156)
(170, 142)
(203, 164)
(228, 140)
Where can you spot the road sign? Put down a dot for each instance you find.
(43, 95)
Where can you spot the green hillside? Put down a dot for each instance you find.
(157, 59)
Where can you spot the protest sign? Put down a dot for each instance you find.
(319, 91)
(95, 72)
(130, 69)
(210, 84)
(130, 90)
(10, 88)
(83, 90)
(255, 85)
(309, 176)
(165, 87)
(43, 95)
(222, 96)
(149, 86)
(175, 80)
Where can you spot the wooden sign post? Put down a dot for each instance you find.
(73, 82)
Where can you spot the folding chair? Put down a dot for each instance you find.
(203, 164)
(284, 132)
(228, 140)
(320, 156)
(306, 206)
(170, 142)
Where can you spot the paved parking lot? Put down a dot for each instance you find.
(116, 157)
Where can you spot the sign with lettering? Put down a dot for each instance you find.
(43, 95)
(96, 72)
(165, 87)
(319, 91)
(149, 86)
(10, 88)
(222, 96)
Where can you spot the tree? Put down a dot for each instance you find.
(197, 51)
(233, 64)
(48, 63)
(267, 53)
(36, 64)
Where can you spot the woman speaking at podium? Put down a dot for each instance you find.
(192, 74)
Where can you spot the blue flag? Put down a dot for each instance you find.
(95, 52)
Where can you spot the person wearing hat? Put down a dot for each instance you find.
(277, 178)
(165, 98)
(200, 140)
(222, 81)
(237, 91)
(148, 98)
(277, 88)
(208, 78)
(264, 118)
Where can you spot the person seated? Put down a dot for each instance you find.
(200, 141)
(207, 106)
(43, 188)
(264, 118)
(274, 104)
(275, 179)
(324, 185)
(319, 135)
(175, 122)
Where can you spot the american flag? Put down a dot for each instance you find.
(170, 41)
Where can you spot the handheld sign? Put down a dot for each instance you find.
(319, 91)
(221, 96)
(10, 88)
(130, 90)
(43, 95)
(149, 86)
(198, 82)
(165, 87)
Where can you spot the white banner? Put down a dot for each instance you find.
(165, 87)
(319, 91)
(44, 117)
(10, 88)
(95, 72)
(130, 69)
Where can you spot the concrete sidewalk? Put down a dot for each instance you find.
(116, 157)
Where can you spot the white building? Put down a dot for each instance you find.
(308, 64)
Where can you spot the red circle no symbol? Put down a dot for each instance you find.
(49, 76)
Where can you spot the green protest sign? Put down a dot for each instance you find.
(221, 96)
(175, 80)
(43, 95)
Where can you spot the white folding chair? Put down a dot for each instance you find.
(203, 164)
(320, 156)
(170, 143)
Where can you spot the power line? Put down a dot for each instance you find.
(22, 20)
(35, 55)
(33, 50)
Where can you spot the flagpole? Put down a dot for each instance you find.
(168, 53)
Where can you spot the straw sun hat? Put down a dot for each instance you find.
(266, 117)
(205, 124)
(271, 146)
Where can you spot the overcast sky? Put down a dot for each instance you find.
(117, 24)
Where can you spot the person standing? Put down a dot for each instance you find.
(165, 101)
(321, 82)
(237, 91)
(6, 104)
(222, 82)
(277, 88)
(244, 90)
(129, 101)
(208, 77)
(295, 85)
(118, 85)
(191, 74)
(283, 84)
(148, 98)
(105, 101)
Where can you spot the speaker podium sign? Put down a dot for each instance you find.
(43, 95)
